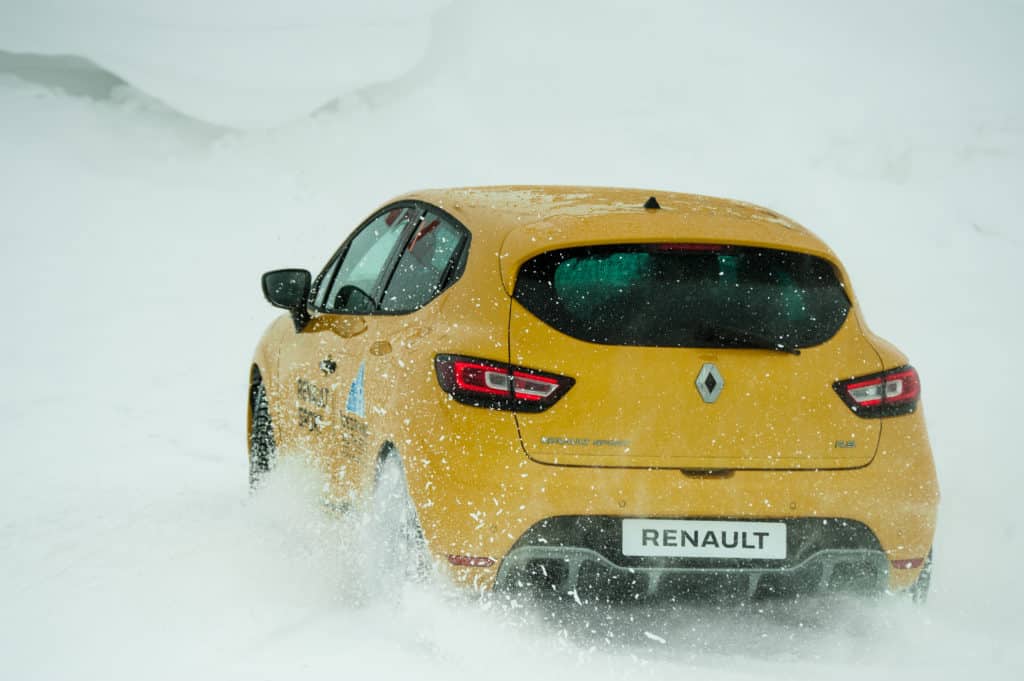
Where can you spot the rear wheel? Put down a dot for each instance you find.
(262, 450)
(398, 536)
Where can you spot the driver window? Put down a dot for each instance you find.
(354, 278)
(424, 266)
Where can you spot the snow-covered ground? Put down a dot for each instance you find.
(129, 546)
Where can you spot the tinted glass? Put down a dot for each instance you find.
(678, 295)
(425, 266)
(351, 281)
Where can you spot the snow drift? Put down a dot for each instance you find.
(236, 63)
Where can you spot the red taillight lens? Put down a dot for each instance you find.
(889, 393)
(471, 561)
(907, 564)
(496, 385)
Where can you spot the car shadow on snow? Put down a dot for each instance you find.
(705, 626)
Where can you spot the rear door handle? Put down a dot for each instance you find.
(328, 365)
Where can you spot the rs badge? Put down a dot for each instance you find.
(709, 382)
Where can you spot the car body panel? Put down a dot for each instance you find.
(487, 494)
(639, 406)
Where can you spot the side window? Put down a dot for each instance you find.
(350, 283)
(426, 266)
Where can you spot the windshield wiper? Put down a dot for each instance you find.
(749, 339)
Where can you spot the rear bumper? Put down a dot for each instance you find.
(581, 556)
(480, 496)
(589, 576)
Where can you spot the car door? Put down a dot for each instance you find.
(325, 362)
(402, 343)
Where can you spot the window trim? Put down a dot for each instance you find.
(342, 250)
(451, 276)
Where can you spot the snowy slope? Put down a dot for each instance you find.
(237, 63)
(134, 235)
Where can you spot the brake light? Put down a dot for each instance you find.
(470, 561)
(907, 564)
(496, 385)
(888, 393)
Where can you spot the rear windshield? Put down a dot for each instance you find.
(685, 295)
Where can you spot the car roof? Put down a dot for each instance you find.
(502, 209)
(520, 221)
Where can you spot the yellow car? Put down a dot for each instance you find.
(596, 390)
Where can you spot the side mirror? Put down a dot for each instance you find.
(289, 289)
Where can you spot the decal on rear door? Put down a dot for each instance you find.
(352, 422)
(356, 402)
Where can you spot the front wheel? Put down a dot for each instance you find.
(262, 450)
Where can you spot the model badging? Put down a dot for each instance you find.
(582, 442)
(311, 393)
(309, 420)
(310, 399)
(705, 538)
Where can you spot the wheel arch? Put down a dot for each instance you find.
(386, 449)
(255, 378)
(258, 375)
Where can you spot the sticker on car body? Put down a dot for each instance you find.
(703, 538)
(356, 402)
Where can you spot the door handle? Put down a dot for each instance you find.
(328, 366)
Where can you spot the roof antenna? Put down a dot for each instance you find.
(652, 204)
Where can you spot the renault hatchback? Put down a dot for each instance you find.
(590, 391)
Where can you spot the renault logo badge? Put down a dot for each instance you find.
(709, 382)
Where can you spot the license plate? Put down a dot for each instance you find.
(703, 538)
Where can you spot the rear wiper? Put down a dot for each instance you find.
(749, 339)
(778, 346)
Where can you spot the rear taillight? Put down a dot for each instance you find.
(888, 393)
(496, 385)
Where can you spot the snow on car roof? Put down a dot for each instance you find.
(573, 212)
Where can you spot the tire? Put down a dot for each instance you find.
(397, 534)
(262, 449)
(919, 592)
